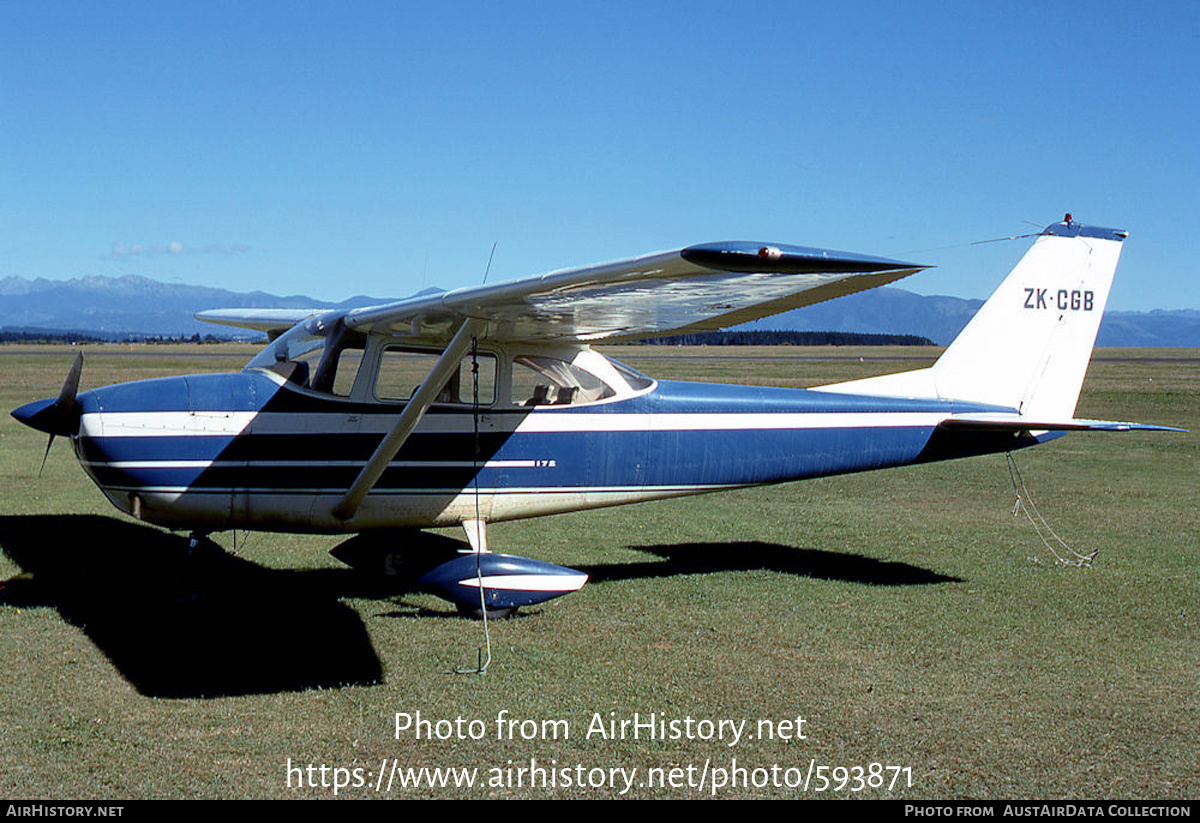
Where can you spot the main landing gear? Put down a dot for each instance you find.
(473, 579)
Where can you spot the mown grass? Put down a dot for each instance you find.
(907, 615)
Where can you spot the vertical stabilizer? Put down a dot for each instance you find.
(1028, 347)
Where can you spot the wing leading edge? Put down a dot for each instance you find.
(273, 321)
(699, 288)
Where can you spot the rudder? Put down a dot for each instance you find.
(1029, 346)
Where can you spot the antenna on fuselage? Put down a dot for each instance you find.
(488, 268)
(974, 242)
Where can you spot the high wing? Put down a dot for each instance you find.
(273, 321)
(699, 288)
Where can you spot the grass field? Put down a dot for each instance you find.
(906, 615)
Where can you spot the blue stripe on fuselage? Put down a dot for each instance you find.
(714, 453)
(555, 460)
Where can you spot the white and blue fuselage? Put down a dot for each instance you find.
(252, 451)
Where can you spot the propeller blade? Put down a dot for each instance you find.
(60, 415)
(46, 454)
(70, 387)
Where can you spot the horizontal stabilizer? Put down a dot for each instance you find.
(1015, 422)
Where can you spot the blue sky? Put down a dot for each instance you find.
(333, 149)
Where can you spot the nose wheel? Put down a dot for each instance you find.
(190, 573)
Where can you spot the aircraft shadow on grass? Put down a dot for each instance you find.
(704, 558)
(217, 625)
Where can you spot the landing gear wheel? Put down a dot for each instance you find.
(193, 567)
(200, 545)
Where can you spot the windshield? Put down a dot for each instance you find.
(320, 354)
(299, 341)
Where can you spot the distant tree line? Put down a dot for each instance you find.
(708, 338)
(21, 335)
(788, 338)
(48, 336)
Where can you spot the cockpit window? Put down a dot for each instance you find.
(301, 343)
(402, 370)
(320, 355)
(346, 370)
(636, 380)
(538, 380)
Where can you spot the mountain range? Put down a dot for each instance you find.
(890, 310)
(136, 306)
(131, 305)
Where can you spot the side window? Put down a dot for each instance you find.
(338, 367)
(401, 372)
(636, 380)
(547, 381)
(347, 369)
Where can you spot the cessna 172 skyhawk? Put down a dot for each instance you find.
(489, 403)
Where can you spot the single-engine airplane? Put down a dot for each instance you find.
(489, 403)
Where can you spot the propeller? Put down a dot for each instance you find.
(59, 416)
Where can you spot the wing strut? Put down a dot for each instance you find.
(418, 404)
